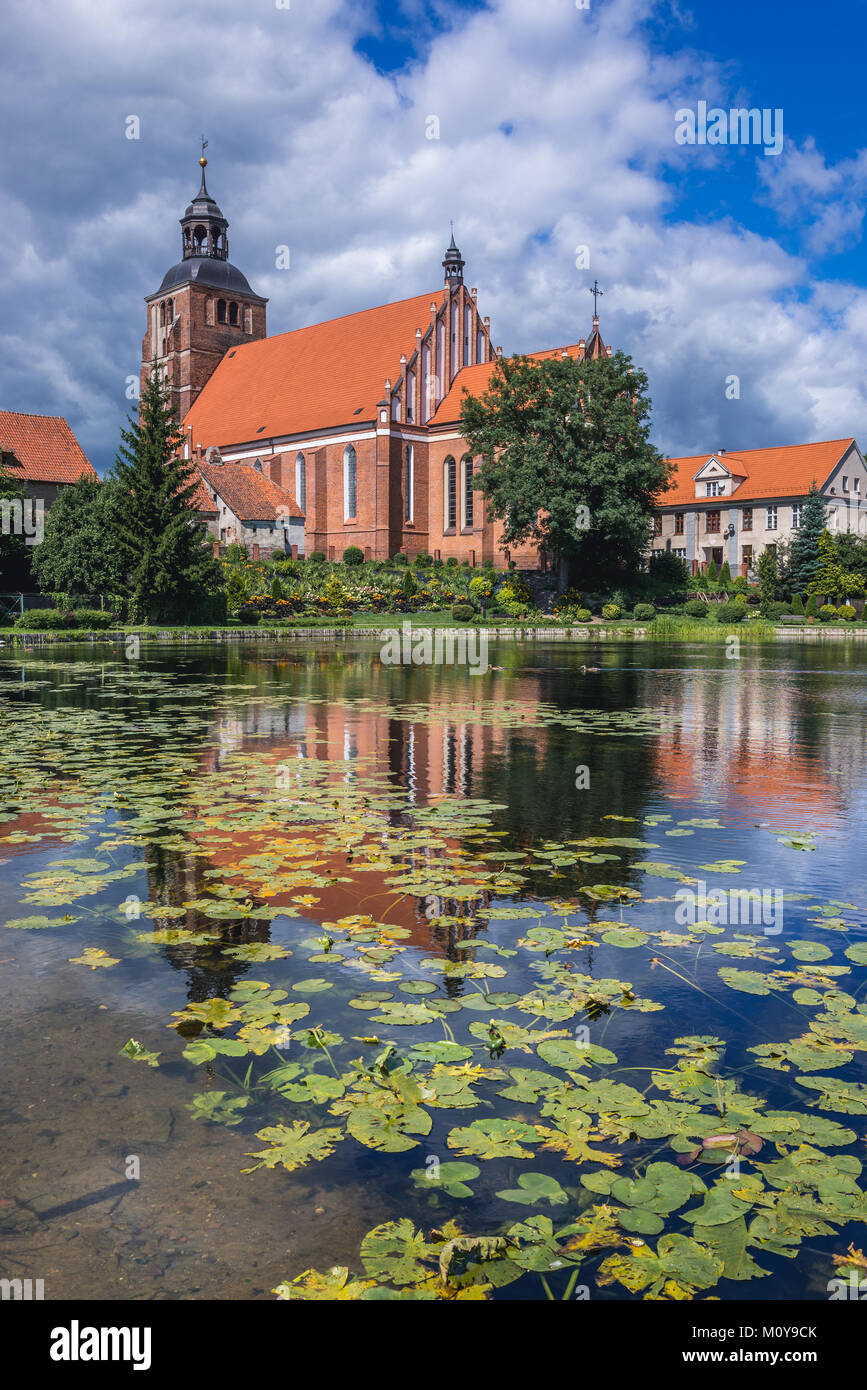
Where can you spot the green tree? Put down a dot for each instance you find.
(78, 556)
(804, 553)
(852, 552)
(828, 577)
(169, 573)
(567, 462)
(725, 576)
(767, 568)
(711, 572)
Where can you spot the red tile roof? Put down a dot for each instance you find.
(474, 381)
(313, 378)
(248, 493)
(43, 449)
(785, 471)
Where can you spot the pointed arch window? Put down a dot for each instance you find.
(410, 396)
(453, 337)
(468, 333)
(466, 491)
(408, 483)
(301, 482)
(425, 383)
(441, 360)
(450, 494)
(350, 482)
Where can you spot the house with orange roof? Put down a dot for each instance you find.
(239, 503)
(41, 452)
(730, 506)
(357, 418)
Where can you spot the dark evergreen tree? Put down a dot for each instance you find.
(13, 549)
(169, 572)
(804, 551)
(567, 462)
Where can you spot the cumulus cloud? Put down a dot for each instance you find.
(555, 130)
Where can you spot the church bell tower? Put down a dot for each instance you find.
(204, 306)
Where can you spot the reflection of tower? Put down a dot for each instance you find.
(175, 878)
(203, 308)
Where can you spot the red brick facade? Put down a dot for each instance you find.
(357, 417)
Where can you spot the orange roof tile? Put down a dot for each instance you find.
(784, 471)
(43, 449)
(248, 493)
(474, 381)
(312, 378)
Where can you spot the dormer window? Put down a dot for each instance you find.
(715, 488)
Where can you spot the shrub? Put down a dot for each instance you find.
(94, 618)
(277, 588)
(772, 608)
(644, 612)
(463, 612)
(39, 619)
(353, 555)
(611, 611)
(235, 553)
(408, 585)
(710, 573)
(827, 612)
(452, 562)
(695, 608)
(583, 615)
(812, 607)
(317, 557)
(423, 561)
(797, 606)
(847, 612)
(399, 558)
(725, 575)
(734, 612)
(741, 585)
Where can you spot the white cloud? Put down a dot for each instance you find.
(312, 147)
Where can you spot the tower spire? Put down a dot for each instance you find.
(453, 264)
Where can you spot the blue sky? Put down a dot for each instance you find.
(557, 131)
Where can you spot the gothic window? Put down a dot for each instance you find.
(441, 359)
(467, 490)
(408, 483)
(233, 315)
(450, 494)
(453, 333)
(410, 396)
(301, 482)
(395, 407)
(480, 346)
(209, 310)
(425, 383)
(163, 314)
(350, 477)
(468, 331)
(248, 319)
(221, 311)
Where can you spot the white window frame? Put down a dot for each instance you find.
(350, 456)
(771, 525)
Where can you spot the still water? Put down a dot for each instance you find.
(412, 939)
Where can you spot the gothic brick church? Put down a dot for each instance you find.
(344, 433)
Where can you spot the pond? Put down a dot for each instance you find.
(545, 983)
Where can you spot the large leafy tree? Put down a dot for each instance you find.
(79, 555)
(804, 553)
(567, 462)
(168, 569)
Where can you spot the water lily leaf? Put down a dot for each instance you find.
(452, 1178)
(396, 1251)
(747, 981)
(218, 1107)
(572, 1055)
(137, 1053)
(534, 1189)
(293, 1146)
(624, 936)
(95, 958)
(849, 1097)
(809, 950)
(206, 1049)
(493, 1138)
(677, 1258)
(858, 952)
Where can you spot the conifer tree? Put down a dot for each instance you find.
(169, 573)
(804, 554)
